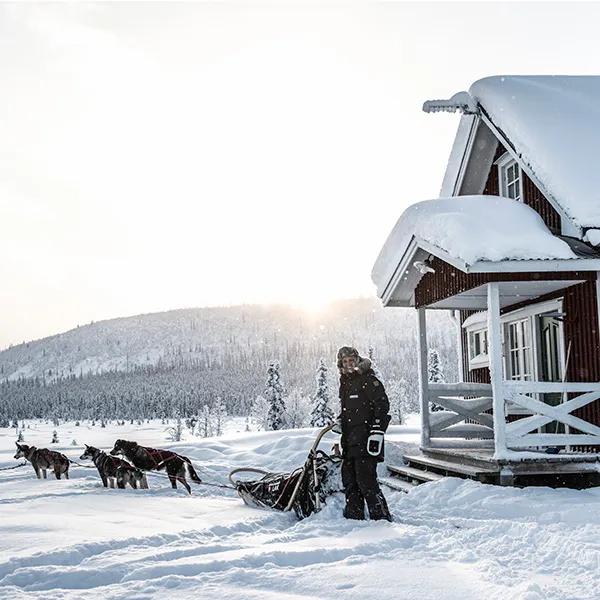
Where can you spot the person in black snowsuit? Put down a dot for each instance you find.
(363, 419)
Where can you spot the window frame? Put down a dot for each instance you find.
(505, 162)
(481, 359)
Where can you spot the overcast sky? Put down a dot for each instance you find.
(160, 156)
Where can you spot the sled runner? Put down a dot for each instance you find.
(304, 490)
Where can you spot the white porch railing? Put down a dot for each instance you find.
(464, 414)
(465, 420)
(523, 432)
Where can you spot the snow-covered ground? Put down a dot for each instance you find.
(452, 539)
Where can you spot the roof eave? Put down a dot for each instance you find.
(547, 265)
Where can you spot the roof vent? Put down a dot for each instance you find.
(461, 101)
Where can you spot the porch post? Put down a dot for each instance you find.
(598, 303)
(423, 376)
(496, 375)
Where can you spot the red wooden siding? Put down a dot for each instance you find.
(447, 281)
(581, 332)
(532, 196)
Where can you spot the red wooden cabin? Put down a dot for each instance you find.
(511, 248)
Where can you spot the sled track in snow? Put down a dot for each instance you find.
(453, 539)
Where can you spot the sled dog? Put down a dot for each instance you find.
(113, 469)
(43, 459)
(152, 459)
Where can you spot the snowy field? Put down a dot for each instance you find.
(452, 539)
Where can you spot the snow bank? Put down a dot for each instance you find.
(470, 228)
(554, 123)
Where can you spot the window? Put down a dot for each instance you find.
(517, 336)
(478, 348)
(510, 177)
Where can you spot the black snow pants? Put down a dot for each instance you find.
(359, 476)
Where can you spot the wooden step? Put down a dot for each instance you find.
(412, 473)
(479, 458)
(450, 467)
(396, 484)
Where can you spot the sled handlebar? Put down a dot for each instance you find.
(245, 470)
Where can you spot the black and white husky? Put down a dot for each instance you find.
(43, 459)
(113, 469)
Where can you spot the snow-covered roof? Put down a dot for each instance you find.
(553, 122)
(477, 318)
(470, 229)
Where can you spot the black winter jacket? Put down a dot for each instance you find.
(365, 407)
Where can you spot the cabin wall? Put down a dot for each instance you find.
(532, 196)
(581, 331)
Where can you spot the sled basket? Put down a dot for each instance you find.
(304, 490)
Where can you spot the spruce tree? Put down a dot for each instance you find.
(434, 367)
(374, 365)
(435, 374)
(274, 396)
(55, 439)
(321, 414)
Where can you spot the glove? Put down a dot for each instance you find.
(375, 442)
(337, 425)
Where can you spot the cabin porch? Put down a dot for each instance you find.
(504, 432)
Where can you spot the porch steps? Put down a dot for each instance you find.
(451, 469)
(397, 484)
(415, 475)
(423, 469)
(479, 458)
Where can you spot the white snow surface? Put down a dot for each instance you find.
(554, 124)
(470, 228)
(593, 237)
(475, 319)
(452, 540)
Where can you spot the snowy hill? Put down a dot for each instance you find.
(185, 359)
(195, 334)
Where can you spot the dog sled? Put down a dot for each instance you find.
(304, 490)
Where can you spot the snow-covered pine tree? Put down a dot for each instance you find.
(321, 414)
(374, 364)
(176, 432)
(297, 407)
(400, 404)
(20, 436)
(205, 425)
(259, 413)
(435, 374)
(54, 439)
(219, 416)
(274, 396)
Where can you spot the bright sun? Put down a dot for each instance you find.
(312, 304)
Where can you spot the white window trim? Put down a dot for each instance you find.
(482, 360)
(502, 163)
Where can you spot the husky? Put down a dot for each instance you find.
(151, 459)
(43, 459)
(113, 469)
